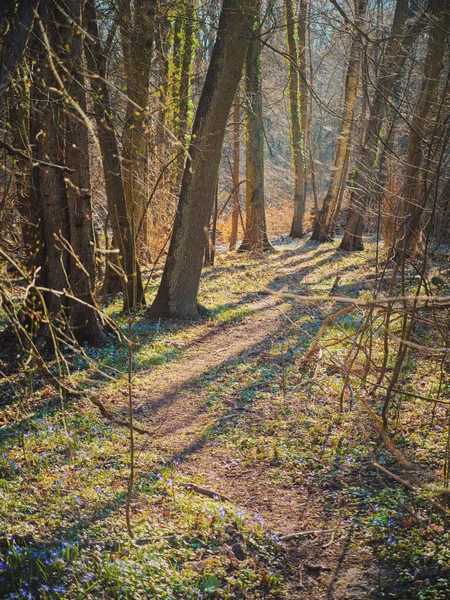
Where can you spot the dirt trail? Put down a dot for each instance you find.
(172, 402)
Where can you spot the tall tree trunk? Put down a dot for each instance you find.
(414, 200)
(397, 50)
(304, 92)
(20, 125)
(255, 234)
(183, 54)
(295, 101)
(83, 316)
(16, 41)
(61, 201)
(50, 199)
(137, 32)
(235, 171)
(177, 293)
(323, 222)
(112, 168)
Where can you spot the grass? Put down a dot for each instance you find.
(64, 470)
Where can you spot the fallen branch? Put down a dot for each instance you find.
(297, 534)
(205, 492)
(430, 301)
(409, 485)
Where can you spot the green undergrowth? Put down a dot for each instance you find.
(64, 469)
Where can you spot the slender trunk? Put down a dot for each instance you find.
(20, 125)
(390, 70)
(414, 199)
(323, 223)
(307, 128)
(137, 34)
(236, 171)
(185, 74)
(112, 168)
(255, 234)
(16, 41)
(83, 316)
(304, 92)
(183, 54)
(177, 293)
(162, 41)
(296, 123)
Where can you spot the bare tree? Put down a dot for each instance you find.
(324, 221)
(112, 168)
(255, 234)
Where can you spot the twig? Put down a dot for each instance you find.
(20, 154)
(410, 486)
(205, 492)
(297, 534)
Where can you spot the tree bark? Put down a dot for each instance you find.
(323, 223)
(177, 293)
(61, 201)
(295, 103)
(137, 32)
(255, 234)
(414, 200)
(397, 50)
(235, 171)
(83, 316)
(112, 168)
(16, 41)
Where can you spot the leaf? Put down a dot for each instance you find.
(210, 584)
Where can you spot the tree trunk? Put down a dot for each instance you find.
(63, 240)
(137, 34)
(177, 293)
(414, 200)
(183, 53)
(236, 171)
(20, 125)
(83, 316)
(16, 41)
(295, 101)
(255, 234)
(112, 168)
(323, 223)
(397, 50)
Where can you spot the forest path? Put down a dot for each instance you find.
(176, 402)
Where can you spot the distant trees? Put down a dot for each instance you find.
(255, 234)
(325, 220)
(365, 184)
(297, 120)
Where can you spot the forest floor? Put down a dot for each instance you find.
(234, 407)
